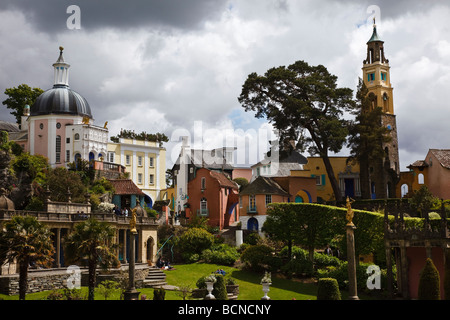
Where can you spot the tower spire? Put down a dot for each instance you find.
(61, 69)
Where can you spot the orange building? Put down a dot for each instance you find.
(255, 197)
(213, 195)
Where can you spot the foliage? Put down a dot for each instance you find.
(220, 254)
(26, 241)
(60, 180)
(429, 285)
(159, 294)
(328, 289)
(144, 136)
(259, 258)
(220, 289)
(423, 200)
(29, 165)
(19, 97)
(242, 182)
(92, 241)
(447, 279)
(195, 240)
(305, 105)
(107, 287)
(65, 294)
(102, 186)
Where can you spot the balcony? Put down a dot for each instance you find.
(203, 212)
(252, 210)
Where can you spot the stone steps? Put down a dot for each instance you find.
(155, 278)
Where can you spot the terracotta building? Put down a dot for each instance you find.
(213, 195)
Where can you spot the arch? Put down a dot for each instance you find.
(298, 199)
(149, 250)
(305, 195)
(421, 178)
(252, 224)
(148, 201)
(404, 190)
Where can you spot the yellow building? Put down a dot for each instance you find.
(145, 163)
(346, 173)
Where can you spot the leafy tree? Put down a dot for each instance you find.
(305, 105)
(367, 136)
(60, 181)
(19, 97)
(423, 200)
(93, 241)
(26, 241)
(242, 182)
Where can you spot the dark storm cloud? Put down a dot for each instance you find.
(51, 15)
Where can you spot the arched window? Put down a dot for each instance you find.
(404, 189)
(421, 178)
(77, 136)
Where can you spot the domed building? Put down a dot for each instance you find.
(60, 123)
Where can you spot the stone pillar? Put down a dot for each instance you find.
(58, 247)
(352, 286)
(131, 293)
(239, 238)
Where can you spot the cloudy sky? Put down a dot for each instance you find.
(177, 66)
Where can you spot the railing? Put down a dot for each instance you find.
(252, 209)
(73, 217)
(203, 212)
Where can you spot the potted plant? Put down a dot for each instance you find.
(210, 280)
(266, 281)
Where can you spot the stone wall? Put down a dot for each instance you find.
(51, 279)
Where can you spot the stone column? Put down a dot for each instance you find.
(352, 286)
(58, 247)
(131, 293)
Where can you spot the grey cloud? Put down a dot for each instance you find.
(50, 16)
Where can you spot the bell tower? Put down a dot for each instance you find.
(376, 76)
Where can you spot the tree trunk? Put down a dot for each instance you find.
(92, 278)
(23, 281)
(332, 178)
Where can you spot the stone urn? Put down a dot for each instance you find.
(210, 288)
(265, 288)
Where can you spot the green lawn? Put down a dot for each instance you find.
(186, 275)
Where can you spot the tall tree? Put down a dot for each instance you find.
(367, 136)
(26, 241)
(94, 241)
(19, 97)
(304, 104)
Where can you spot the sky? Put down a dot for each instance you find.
(178, 66)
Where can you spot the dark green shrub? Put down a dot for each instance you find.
(328, 289)
(159, 294)
(259, 258)
(447, 280)
(194, 241)
(220, 289)
(429, 282)
(298, 267)
(222, 254)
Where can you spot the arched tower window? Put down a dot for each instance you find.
(58, 149)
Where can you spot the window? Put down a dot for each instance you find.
(67, 155)
(252, 202)
(370, 77)
(258, 172)
(139, 178)
(318, 181)
(127, 159)
(268, 199)
(240, 202)
(77, 136)
(151, 162)
(111, 157)
(383, 76)
(203, 183)
(203, 207)
(140, 161)
(58, 149)
(67, 140)
(58, 125)
(421, 178)
(152, 179)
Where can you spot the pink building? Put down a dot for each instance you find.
(59, 124)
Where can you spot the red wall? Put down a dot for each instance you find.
(416, 258)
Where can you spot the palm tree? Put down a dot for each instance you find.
(26, 241)
(93, 241)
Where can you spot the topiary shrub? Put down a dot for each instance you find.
(429, 282)
(328, 289)
(260, 258)
(222, 254)
(159, 294)
(220, 289)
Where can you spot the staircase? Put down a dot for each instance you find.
(155, 278)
